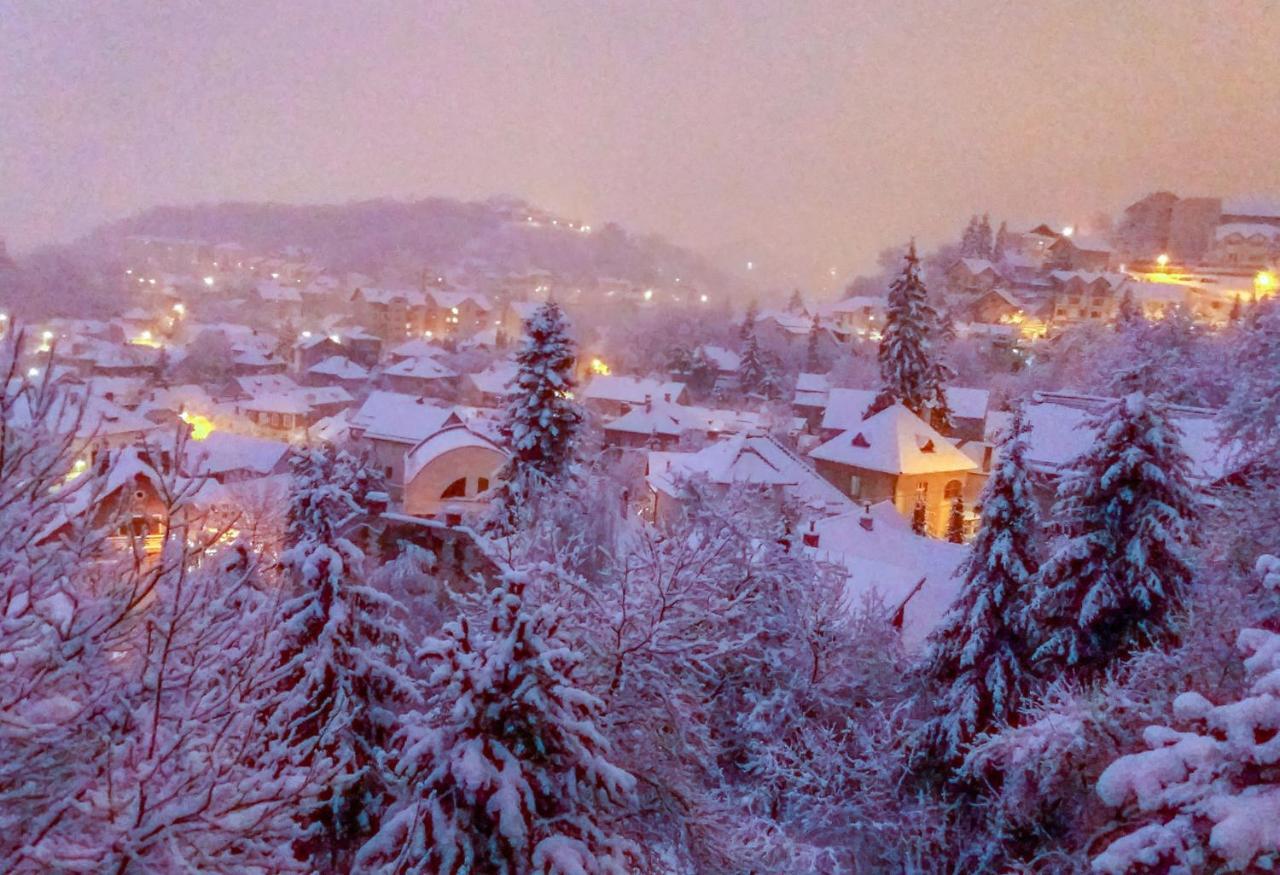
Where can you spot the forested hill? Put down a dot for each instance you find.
(506, 234)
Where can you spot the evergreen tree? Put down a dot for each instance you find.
(970, 240)
(1001, 245)
(1125, 510)
(920, 517)
(542, 419)
(986, 247)
(955, 522)
(749, 320)
(1127, 313)
(795, 304)
(813, 358)
(1237, 310)
(978, 653)
(508, 771)
(911, 370)
(342, 672)
(753, 368)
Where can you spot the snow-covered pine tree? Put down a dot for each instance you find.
(813, 358)
(1125, 510)
(1127, 313)
(920, 516)
(795, 304)
(542, 419)
(1000, 246)
(754, 376)
(344, 662)
(748, 326)
(1206, 793)
(970, 243)
(1250, 420)
(955, 522)
(986, 246)
(911, 369)
(508, 771)
(978, 654)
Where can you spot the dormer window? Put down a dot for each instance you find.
(927, 446)
(860, 440)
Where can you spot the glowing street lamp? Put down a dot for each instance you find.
(1264, 283)
(208, 281)
(1162, 259)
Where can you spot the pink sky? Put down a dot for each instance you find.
(802, 135)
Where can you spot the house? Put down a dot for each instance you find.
(122, 493)
(846, 408)
(227, 457)
(660, 424)
(311, 349)
(336, 371)
(1247, 244)
(1033, 244)
(489, 388)
(456, 313)
(419, 376)
(995, 306)
(276, 302)
(811, 398)
(286, 412)
(391, 314)
(1084, 296)
(972, 276)
(362, 347)
(449, 474)
(895, 456)
(613, 395)
(858, 315)
(750, 460)
(885, 565)
(389, 424)
(1077, 252)
(414, 349)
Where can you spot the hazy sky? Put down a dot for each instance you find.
(803, 135)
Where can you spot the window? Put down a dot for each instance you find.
(953, 490)
(388, 473)
(855, 486)
(456, 489)
(482, 484)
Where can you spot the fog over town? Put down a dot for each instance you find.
(674, 438)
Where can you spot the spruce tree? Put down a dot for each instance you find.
(795, 304)
(1121, 568)
(911, 370)
(970, 240)
(986, 248)
(754, 375)
(1001, 245)
(342, 668)
(507, 770)
(542, 420)
(920, 517)
(1127, 313)
(749, 320)
(955, 522)
(978, 654)
(1237, 310)
(813, 360)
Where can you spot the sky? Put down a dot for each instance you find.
(802, 135)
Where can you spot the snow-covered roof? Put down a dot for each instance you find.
(1247, 229)
(376, 295)
(224, 451)
(263, 383)
(495, 379)
(419, 369)
(858, 303)
(393, 416)
(446, 299)
(978, 266)
(724, 359)
(910, 574)
(1088, 277)
(1057, 434)
(629, 390)
(845, 407)
(671, 420)
(278, 293)
(894, 441)
(446, 440)
(416, 348)
(757, 459)
(1253, 206)
(339, 366)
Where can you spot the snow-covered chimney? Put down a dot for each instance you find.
(866, 521)
(666, 396)
(810, 537)
(648, 403)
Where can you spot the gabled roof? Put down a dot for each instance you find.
(224, 451)
(723, 359)
(495, 379)
(340, 367)
(894, 441)
(416, 348)
(845, 407)
(977, 266)
(669, 419)
(419, 369)
(629, 390)
(394, 416)
(376, 295)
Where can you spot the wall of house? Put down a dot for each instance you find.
(423, 494)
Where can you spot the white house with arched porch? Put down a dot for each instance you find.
(449, 473)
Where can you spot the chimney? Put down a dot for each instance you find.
(666, 396)
(648, 403)
(810, 537)
(866, 521)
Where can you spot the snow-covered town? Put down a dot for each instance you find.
(466, 535)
